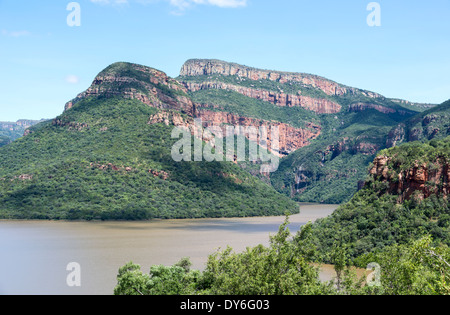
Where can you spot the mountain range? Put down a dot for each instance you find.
(10, 131)
(108, 155)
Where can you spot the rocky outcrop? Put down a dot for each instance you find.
(396, 136)
(426, 126)
(359, 107)
(420, 181)
(290, 138)
(198, 67)
(318, 105)
(70, 125)
(354, 146)
(148, 85)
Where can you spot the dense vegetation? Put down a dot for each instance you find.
(374, 219)
(328, 170)
(430, 124)
(4, 140)
(405, 244)
(102, 160)
(287, 267)
(233, 102)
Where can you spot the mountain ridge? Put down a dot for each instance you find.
(118, 132)
(107, 158)
(200, 67)
(354, 124)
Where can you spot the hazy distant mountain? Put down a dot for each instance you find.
(10, 131)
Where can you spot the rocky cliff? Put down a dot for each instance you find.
(419, 178)
(404, 198)
(290, 138)
(430, 124)
(317, 105)
(347, 126)
(131, 81)
(10, 131)
(198, 67)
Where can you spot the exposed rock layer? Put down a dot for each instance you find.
(149, 86)
(421, 181)
(198, 67)
(318, 105)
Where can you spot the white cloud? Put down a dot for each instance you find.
(15, 33)
(181, 4)
(114, 2)
(72, 79)
(218, 3)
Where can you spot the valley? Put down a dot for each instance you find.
(329, 133)
(381, 165)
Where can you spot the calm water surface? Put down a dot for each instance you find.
(34, 255)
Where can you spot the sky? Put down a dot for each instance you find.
(45, 62)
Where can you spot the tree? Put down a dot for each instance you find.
(131, 281)
(280, 269)
(414, 269)
(174, 280)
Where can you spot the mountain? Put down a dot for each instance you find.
(404, 198)
(331, 132)
(433, 123)
(10, 131)
(108, 156)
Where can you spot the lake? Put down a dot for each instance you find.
(34, 255)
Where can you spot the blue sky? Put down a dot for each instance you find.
(44, 63)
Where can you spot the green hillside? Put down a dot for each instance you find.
(433, 123)
(380, 215)
(328, 170)
(101, 159)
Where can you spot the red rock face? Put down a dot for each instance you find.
(209, 67)
(153, 94)
(318, 105)
(290, 138)
(420, 181)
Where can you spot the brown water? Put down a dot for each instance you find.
(34, 255)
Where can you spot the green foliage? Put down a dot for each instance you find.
(433, 123)
(415, 268)
(10, 131)
(280, 269)
(409, 154)
(286, 268)
(4, 140)
(174, 280)
(233, 102)
(93, 162)
(374, 219)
